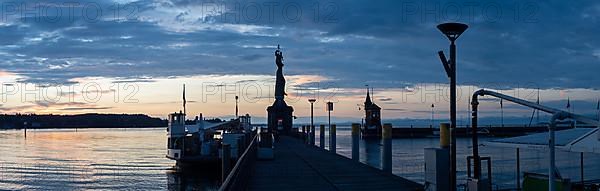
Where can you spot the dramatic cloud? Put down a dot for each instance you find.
(385, 43)
(340, 45)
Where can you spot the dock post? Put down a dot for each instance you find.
(355, 137)
(322, 136)
(386, 157)
(581, 165)
(444, 135)
(304, 133)
(518, 169)
(308, 135)
(312, 135)
(332, 145)
(225, 161)
(25, 130)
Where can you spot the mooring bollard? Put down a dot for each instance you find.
(25, 130)
(308, 135)
(225, 161)
(444, 135)
(322, 136)
(355, 137)
(312, 135)
(332, 146)
(304, 133)
(386, 155)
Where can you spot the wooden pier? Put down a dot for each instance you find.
(298, 166)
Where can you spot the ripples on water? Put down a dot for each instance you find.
(133, 159)
(100, 159)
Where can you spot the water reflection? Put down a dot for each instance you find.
(93, 159)
(372, 152)
(192, 179)
(134, 159)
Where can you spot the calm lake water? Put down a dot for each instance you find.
(92, 159)
(133, 159)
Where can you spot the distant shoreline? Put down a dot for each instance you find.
(91, 120)
(37, 128)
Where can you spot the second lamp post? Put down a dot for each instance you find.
(312, 125)
(452, 32)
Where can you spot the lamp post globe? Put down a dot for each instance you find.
(452, 30)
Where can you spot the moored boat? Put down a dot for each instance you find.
(199, 144)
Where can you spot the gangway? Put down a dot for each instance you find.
(557, 115)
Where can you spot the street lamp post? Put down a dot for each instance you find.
(236, 106)
(432, 115)
(452, 32)
(332, 146)
(362, 119)
(329, 109)
(312, 125)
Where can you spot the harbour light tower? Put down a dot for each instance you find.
(372, 127)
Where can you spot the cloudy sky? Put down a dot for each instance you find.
(128, 56)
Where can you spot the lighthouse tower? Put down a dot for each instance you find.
(372, 126)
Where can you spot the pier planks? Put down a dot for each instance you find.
(300, 167)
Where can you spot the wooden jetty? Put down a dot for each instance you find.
(298, 166)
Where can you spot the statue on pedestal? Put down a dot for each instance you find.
(279, 114)
(280, 81)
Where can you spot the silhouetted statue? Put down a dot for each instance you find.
(280, 117)
(280, 81)
(278, 57)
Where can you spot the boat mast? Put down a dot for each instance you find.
(184, 112)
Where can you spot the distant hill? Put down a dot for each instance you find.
(92, 120)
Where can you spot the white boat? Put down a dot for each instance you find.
(200, 144)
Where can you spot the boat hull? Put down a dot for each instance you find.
(202, 162)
